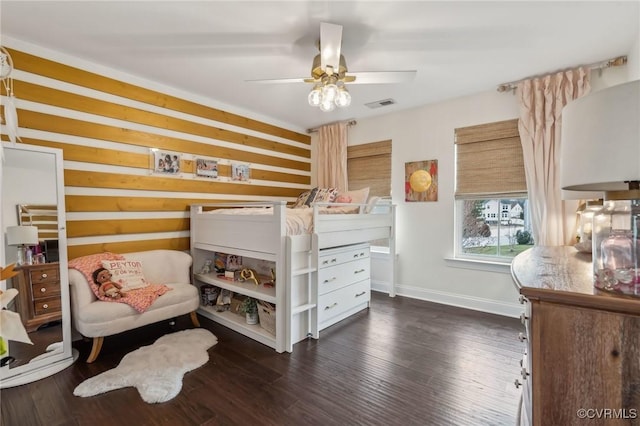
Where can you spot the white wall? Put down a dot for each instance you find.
(425, 230)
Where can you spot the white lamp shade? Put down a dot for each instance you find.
(22, 235)
(600, 142)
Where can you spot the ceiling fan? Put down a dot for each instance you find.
(329, 73)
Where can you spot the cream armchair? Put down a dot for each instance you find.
(96, 319)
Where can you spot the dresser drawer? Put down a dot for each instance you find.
(339, 301)
(44, 275)
(45, 289)
(337, 256)
(330, 279)
(47, 306)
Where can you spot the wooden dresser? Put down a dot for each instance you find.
(39, 299)
(581, 362)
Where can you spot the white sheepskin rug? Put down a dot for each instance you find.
(155, 370)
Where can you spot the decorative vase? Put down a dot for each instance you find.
(252, 318)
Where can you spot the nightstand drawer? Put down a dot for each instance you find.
(45, 289)
(47, 306)
(44, 275)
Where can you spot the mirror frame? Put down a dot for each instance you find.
(52, 364)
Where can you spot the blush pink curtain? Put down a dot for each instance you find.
(541, 102)
(332, 156)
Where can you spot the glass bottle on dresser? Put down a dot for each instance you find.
(617, 247)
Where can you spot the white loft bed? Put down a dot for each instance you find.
(264, 236)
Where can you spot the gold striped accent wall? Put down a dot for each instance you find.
(109, 130)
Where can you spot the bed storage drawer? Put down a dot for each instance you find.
(330, 279)
(333, 305)
(337, 256)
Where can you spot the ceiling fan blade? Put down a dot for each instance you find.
(383, 77)
(280, 80)
(330, 45)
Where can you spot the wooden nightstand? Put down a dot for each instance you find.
(38, 300)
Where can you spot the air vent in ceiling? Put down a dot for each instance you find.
(382, 103)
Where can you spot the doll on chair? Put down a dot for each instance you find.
(107, 288)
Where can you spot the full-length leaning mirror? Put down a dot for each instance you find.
(34, 237)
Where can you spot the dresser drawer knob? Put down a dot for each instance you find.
(43, 290)
(524, 373)
(326, 308)
(359, 271)
(517, 384)
(522, 299)
(522, 337)
(330, 279)
(361, 294)
(44, 275)
(45, 306)
(334, 260)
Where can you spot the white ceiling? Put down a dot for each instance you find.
(212, 48)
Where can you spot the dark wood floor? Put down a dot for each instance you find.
(402, 362)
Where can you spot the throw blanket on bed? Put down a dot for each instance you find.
(139, 299)
(298, 221)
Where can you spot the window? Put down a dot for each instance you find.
(369, 165)
(492, 210)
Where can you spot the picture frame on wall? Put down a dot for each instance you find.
(421, 181)
(240, 172)
(207, 168)
(165, 162)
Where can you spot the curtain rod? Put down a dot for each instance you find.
(615, 62)
(349, 123)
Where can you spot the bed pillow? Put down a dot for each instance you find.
(127, 273)
(371, 204)
(358, 196)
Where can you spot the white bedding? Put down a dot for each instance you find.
(298, 221)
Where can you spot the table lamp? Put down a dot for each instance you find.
(22, 237)
(600, 151)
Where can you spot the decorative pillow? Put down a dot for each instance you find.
(302, 199)
(127, 273)
(321, 195)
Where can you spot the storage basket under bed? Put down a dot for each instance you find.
(267, 316)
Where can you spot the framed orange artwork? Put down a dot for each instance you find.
(421, 181)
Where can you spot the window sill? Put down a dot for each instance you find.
(479, 264)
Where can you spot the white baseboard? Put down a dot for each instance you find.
(380, 286)
(512, 310)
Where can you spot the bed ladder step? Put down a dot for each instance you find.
(303, 308)
(303, 271)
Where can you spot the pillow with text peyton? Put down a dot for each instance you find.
(127, 273)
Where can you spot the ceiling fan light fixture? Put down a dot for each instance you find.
(327, 105)
(329, 92)
(344, 97)
(315, 96)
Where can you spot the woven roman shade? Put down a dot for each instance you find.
(369, 165)
(489, 161)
